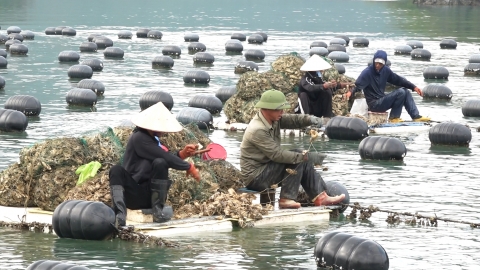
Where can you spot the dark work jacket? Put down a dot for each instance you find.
(141, 150)
(312, 84)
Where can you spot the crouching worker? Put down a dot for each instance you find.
(142, 182)
(263, 163)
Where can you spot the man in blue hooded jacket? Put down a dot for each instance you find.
(373, 80)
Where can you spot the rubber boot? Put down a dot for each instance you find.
(119, 205)
(160, 189)
(324, 199)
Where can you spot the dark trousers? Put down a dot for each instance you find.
(138, 195)
(320, 107)
(275, 173)
(396, 100)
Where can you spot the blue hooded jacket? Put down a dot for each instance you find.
(373, 83)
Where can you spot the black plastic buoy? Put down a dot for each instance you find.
(336, 47)
(201, 117)
(203, 57)
(255, 39)
(88, 47)
(403, 50)
(163, 61)
(67, 31)
(448, 44)
(318, 51)
(338, 41)
(474, 58)
(208, 102)
(336, 188)
(94, 64)
(113, 52)
(92, 37)
(346, 128)
(420, 54)
(349, 252)
(233, 45)
(10, 42)
(226, 92)
(245, 66)
(196, 76)
(2, 82)
(28, 105)
(94, 85)
(450, 133)
(171, 50)
(81, 97)
(435, 72)
(56, 265)
(16, 36)
(103, 42)
(13, 29)
(264, 35)
(360, 42)
(253, 54)
(340, 68)
(471, 108)
(344, 37)
(472, 69)
(59, 29)
(83, 219)
(437, 91)
(3, 39)
(124, 34)
(142, 32)
(318, 44)
(189, 37)
(18, 49)
(50, 31)
(3, 62)
(155, 34)
(337, 56)
(239, 36)
(28, 35)
(68, 56)
(196, 47)
(80, 72)
(12, 120)
(3, 53)
(382, 148)
(153, 97)
(415, 44)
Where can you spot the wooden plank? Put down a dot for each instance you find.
(304, 214)
(182, 228)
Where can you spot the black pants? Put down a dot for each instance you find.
(275, 173)
(320, 107)
(138, 195)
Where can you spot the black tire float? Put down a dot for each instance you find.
(18, 49)
(142, 32)
(348, 252)
(69, 32)
(360, 42)
(196, 47)
(253, 54)
(155, 34)
(13, 29)
(471, 108)
(318, 51)
(382, 148)
(337, 56)
(96, 86)
(318, 44)
(103, 42)
(450, 133)
(190, 37)
(448, 44)
(415, 44)
(47, 265)
(29, 35)
(81, 97)
(472, 69)
(15, 36)
(338, 41)
(59, 29)
(163, 61)
(340, 68)
(226, 92)
(196, 76)
(3, 62)
(234, 45)
(87, 220)
(239, 36)
(113, 52)
(336, 47)
(255, 39)
(2, 82)
(437, 91)
(388, 64)
(88, 47)
(346, 128)
(94, 64)
(435, 72)
(50, 31)
(124, 34)
(3, 53)
(420, 54)
(171, 50)
(68, 56)
(203, 57)
(245, 66)
(80, 72)
(208, 102)
(264, 36)
(153, 97)
(28, 105)
(3, 39)
(474, 58)
(201, 117)
(403, 50)
(336, 188)
(12, 120)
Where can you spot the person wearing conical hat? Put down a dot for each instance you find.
(264, 163)
(314, 94)
(142, 182)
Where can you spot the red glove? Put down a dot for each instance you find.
(193, 172)
(188, 151)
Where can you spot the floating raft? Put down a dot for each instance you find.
(403, 127)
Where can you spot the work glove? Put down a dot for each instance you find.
(193, 172)
(315, 158)
(188, 151)
(316, 121)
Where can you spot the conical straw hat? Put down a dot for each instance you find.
(157, 118)
(315, 63)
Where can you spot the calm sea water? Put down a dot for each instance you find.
(431, 180)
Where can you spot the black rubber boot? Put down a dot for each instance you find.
(160, 189)
(119, 205)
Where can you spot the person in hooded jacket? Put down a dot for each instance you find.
(373, 80)
(315, 94)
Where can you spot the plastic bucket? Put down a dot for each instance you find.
(216, 152)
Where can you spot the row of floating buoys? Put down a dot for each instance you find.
(56, 265)
(60, 30)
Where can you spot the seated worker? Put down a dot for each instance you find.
(314, 94)
(142, 182)
(263, 162)
(373, 80)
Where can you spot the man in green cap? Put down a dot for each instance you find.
(264, 163)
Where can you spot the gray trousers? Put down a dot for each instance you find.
(275, 173)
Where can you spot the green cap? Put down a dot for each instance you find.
(273, 100)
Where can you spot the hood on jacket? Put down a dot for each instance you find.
(379, 54)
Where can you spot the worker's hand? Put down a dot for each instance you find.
(193, 172)
(316, 121)
(188, 151)
(333, 84)
(315, 158)
(418, 90)
(347, 95)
